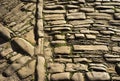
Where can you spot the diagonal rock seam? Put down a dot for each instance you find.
(26, 46)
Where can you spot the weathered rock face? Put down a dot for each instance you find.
(7, 6)
(98, 76)
(17, 21)
(77, 77)
(5, 32)
(60, 40)
(84, 35)
(24, 45)
(61, 77)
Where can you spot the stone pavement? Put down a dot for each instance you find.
(60, 40)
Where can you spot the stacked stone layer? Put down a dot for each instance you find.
(84, 37)
(60, 40)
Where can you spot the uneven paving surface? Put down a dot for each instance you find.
(60, 40)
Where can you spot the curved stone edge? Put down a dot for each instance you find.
(5, 32)
(24, 45)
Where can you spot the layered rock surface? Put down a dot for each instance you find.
(60, 40)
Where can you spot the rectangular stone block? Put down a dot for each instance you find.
(98, 76)
(81, 22)
(54, 11)
(90, 47)
(73, 16)
(54, 17)
(62, 50)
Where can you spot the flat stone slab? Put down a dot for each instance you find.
(90, 47)
(81, 22)
(87, 9)
(54, 7)
(61, 28)
(76, 67)
(28, 70)
(115, 39)
(62, 50)
(6, 52)
(54, 11)
(76, 16)
(58, 42)
(40, 68)
(116, 49)
(90, 36)
(98, 67)
(30, 37)
(54, 17)
(112, 58)
(61, 76)
(24, 45)
(98, 76)
(57, 22)
(16, 65)
(55, 67)
(60, 37)
(78, 77)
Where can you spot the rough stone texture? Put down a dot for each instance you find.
(90, 47)
(117, 49)
(6, 52)
(82, 60)
(40, 68)
(27, 70)
(61, 40)
(16, 65)
(62, 50)
(5, 32)
(55, 67)
(98, 76)
(39, 49)
(73, 16)
(30, 37)
(77, 77)
(76, 67)
(98, 67)
(7, 6)
(24, 45)
(12, 59)
(60, 76)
